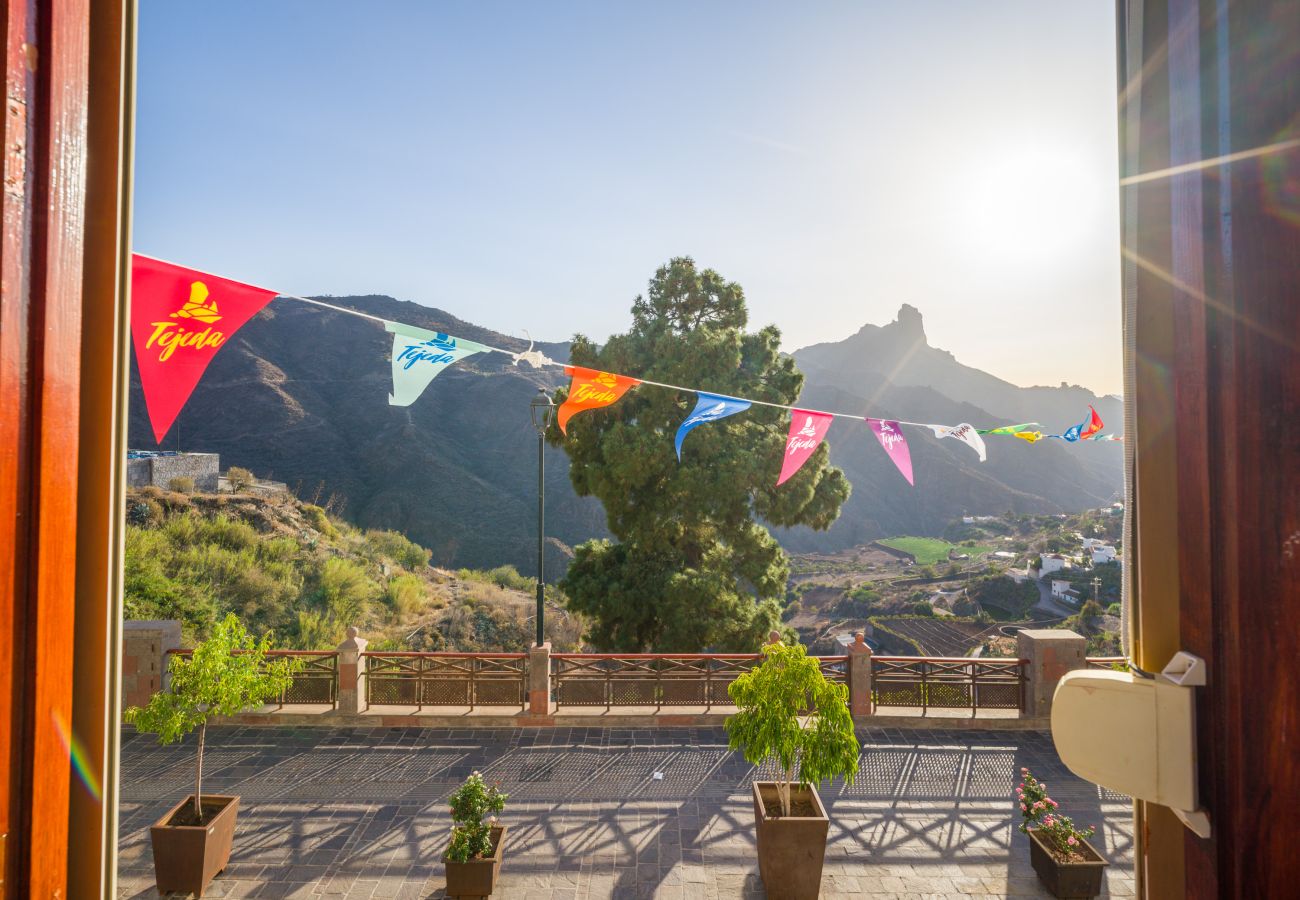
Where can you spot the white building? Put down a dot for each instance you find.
(1053, 562)
(1102, 553)
(1059, 588)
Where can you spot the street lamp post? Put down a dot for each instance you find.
(541, 409)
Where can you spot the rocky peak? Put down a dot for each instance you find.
(909, 323)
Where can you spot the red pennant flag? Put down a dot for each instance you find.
(1094, 425)
(180, 318)
(807, 428)
(591, 390)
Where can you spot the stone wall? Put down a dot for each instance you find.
(144, 658)
(160, 470)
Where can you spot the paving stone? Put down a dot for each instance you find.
(341, 814)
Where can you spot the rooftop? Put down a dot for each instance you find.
(360, 812)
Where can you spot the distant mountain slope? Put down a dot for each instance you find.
(891, 371)
(301, 395)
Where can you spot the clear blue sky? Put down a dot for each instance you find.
(528, 165)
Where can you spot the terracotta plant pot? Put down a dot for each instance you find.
(477, 877)
(1075, 879)
(790, 849)
(187, 857)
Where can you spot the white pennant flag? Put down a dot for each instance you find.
(963, 432)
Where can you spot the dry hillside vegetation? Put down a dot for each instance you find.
(296, 570)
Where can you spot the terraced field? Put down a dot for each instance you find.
(938, 637)
(929, 551)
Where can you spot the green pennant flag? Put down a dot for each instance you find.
(1008, 429)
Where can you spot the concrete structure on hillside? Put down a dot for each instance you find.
(145, 468)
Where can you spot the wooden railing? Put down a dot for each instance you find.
(948, 683)
(643, 679)
(446, 679)
(315, 684)
(1118, 663)
(646, 679)
(659, 679)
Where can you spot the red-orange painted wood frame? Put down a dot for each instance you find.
(44, 255)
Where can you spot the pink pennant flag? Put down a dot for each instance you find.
(891, 438)
(806, 431)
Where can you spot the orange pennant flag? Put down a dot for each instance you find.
(591, 390)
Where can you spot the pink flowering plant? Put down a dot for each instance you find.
(1039, 813)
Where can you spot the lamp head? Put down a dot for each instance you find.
(541, 410)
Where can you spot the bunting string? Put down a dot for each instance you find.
(182, 317)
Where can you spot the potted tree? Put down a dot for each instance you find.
(788, 712)
(225, 675)
(1066, 863)
(473, 858)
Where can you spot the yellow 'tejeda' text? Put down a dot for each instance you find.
(170, 335)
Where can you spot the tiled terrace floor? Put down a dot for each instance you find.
(359, 812)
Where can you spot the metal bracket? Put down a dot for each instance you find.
(1189, 671)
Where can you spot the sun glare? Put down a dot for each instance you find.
(1031, 204)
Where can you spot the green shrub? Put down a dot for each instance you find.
(144, 511)
(1114, 609)
(181, 484)
(233, 534)
(240, 479)
(317, 518)
(399, 548)
(405, 594)
(509, 577)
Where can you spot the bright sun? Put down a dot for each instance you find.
(1029, 204)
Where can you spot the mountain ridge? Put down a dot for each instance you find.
(301, 395)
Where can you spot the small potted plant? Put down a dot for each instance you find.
(473, 858)
(225, 675)
(788, 712)
(1065, 862)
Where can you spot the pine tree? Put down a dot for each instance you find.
(694, 566)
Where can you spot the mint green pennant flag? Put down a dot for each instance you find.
(418, 357)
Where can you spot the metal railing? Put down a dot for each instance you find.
(659, 679)
(316, 683)
(1118, 663)
(948, 683)
(446, 679)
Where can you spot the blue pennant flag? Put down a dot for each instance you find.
(1072, 433)
(710, 408)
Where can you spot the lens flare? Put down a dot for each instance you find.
(77, 755)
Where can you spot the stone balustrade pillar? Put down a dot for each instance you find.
(539, 679)
(1051, 653)
(860, 676)
(144, 658)
(351, 674)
